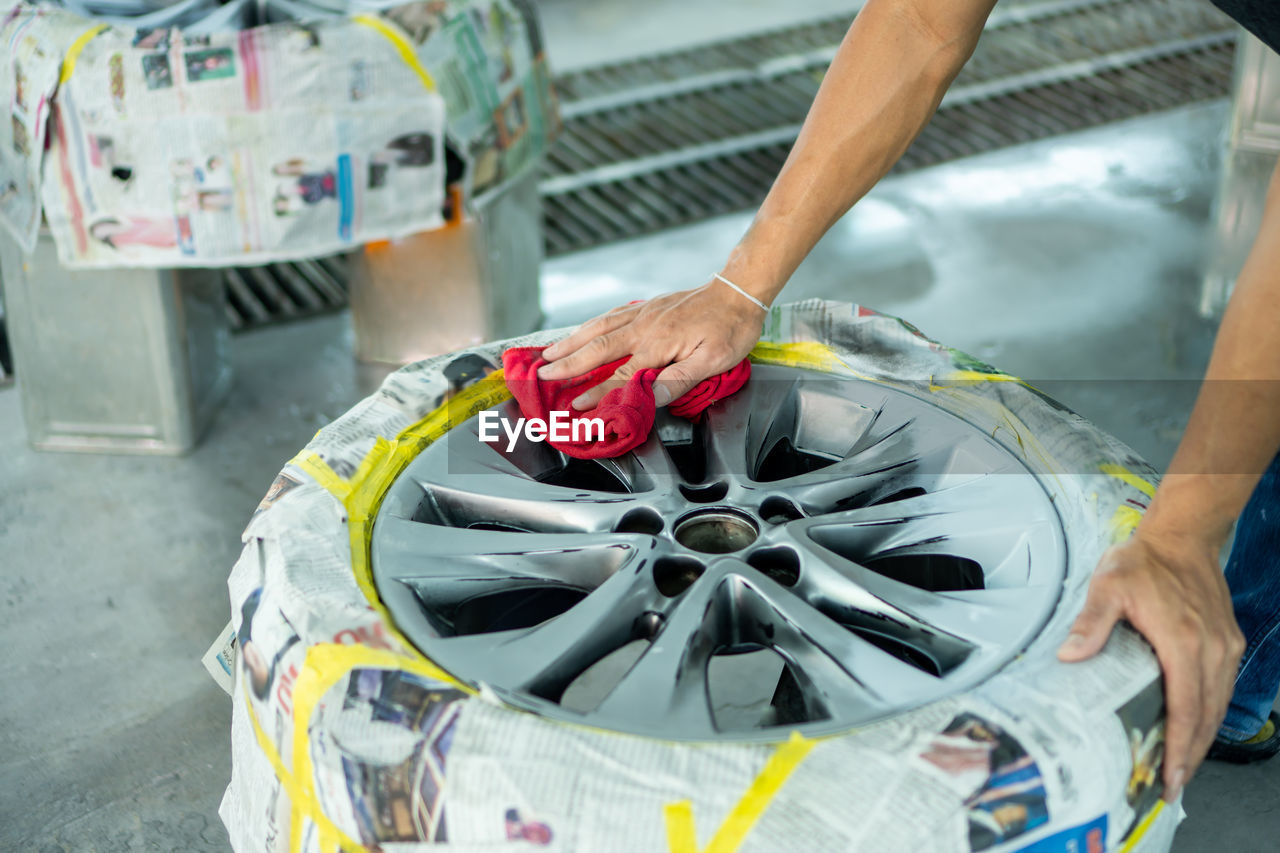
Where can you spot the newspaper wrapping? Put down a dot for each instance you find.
(37, 40)
(346, 737)
(283, 141)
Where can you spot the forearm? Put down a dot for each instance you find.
(1234, 429)
(882, 87)
(1166, 580)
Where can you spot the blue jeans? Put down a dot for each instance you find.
(1253, 575)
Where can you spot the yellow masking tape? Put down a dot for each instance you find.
(363, 486)
(269, 751)
(388, 458)
(380, 451)
(320, 471)
(766, 786)
(326, 663)
(1123, 522)
(73, 52)
(401, 45)
(363, 492)
(301, 804)
(485, 394)
(1141, 829)
(368, 485)
(360, 527)
(972, 377)
(681, 834)
(1125, 475)
(805, 354)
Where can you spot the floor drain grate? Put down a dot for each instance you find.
(272, 293)
(679, 137)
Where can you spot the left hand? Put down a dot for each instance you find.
(1169, 586)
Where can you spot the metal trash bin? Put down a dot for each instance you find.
(1252, 150)
(474, 280)
(115, 360)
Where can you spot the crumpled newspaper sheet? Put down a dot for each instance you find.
(169, 148)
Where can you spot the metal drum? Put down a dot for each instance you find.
(114, 360)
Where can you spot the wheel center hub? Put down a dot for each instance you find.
(716, 531)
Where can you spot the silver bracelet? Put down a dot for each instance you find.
(761, 305)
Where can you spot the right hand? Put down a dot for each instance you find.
(1169, 586)
(690, 335)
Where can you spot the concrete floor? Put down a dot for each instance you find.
(1071, 262)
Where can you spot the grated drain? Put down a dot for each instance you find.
(675, 138)
(273, 293)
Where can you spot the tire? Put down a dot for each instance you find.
(792, 710)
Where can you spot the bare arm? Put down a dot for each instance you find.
(1166, 580)
(1234, 430)
(886, 81)
(884, 84)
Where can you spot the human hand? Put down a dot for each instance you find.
(1170, 588)
(690, 334)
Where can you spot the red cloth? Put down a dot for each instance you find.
(627, 412)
